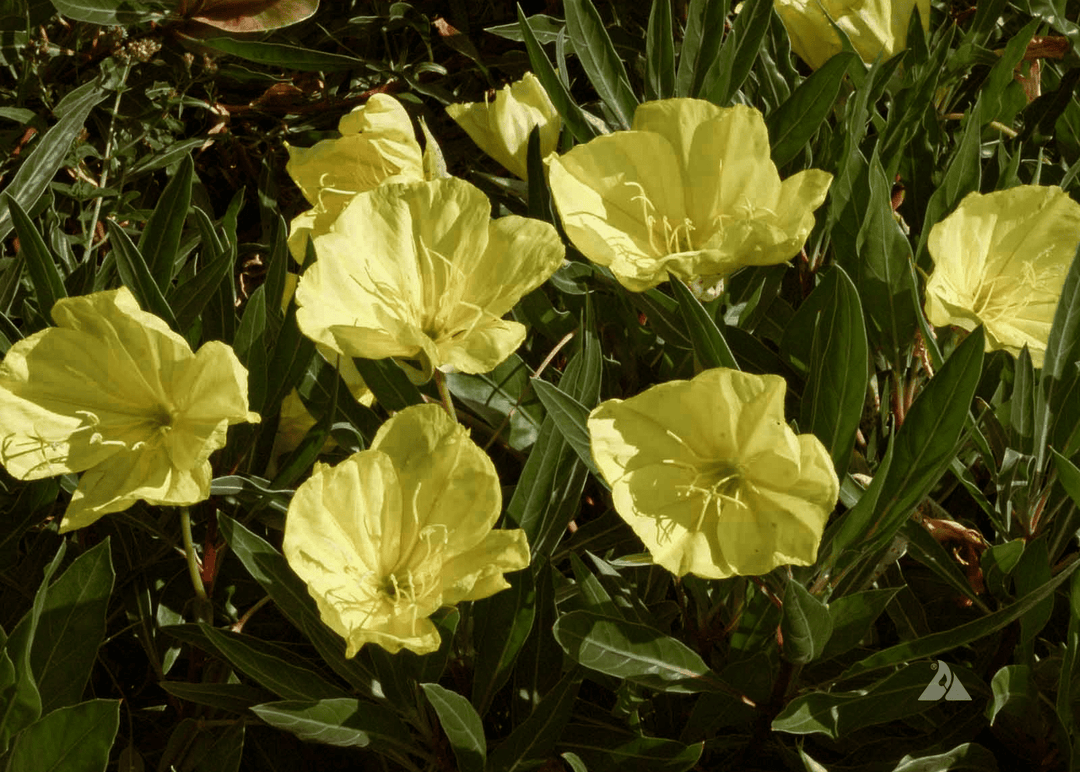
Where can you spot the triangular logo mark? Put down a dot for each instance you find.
(944, 684)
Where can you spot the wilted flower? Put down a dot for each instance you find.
(501, 128)
(432, 279)
(710, 477)
(394, 532)
(377, 145)
(690, 190)
(113, 393)
(1000, 260)
(873, 26)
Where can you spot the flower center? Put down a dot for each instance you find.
(665, 237)
(1006, 296)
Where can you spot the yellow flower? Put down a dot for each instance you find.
(502, 128)
(113, 393)
(421, 272)
(1000, 260)
(710, 477)
(392, 533)
(377, 145)
(873, 26)
(689, 191)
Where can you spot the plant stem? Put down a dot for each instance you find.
(202, 601)
(444, 392)
(106, 158)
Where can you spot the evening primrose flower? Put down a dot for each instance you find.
(710, 477)
(874, 27)
(393, 532)
(690, 190)
(1000, 260)
(501, 128)
(431, 281)
(113, 393)
(377, 145)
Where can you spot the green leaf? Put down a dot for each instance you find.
(235, 698)
(286, 57)
(535, 737)
(71, 628)
(926, 442)
(793, 123)
(389, 383)
(494, 395)
(22, 700)
(937, 643)
(700, 45)
(608, 750)
(710, 348)
(462, 725)
(572, 115)
(838, 714)
(853, 616)
(1057, 407)
(273, 667)
(40, 261)
(160, 240)
(594, 597)
(71, 739)
(660, 53)
(636, 653)
(968, 757)
(839, 364)
(216, 262)
(882, 270)
(599, 59)
(345, 722)
(135, 275)
(738, 54)
(269, 568)
(1031, 572)
(252, 324)
(1013, 691)
(108, 13)
(502, 625)
(548, 493)
(806, 625)
(570, 418)
(41, 165)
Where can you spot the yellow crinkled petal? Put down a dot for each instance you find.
(710, 477)
(377, 146)
(394, 532)
(501, 128)
(478, 572)
(691, 191)
(1000, 260)
(432, 282)
(114, 393)
(874, 27)
(452, 483)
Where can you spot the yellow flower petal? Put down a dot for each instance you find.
(710, 477)
(114, 393)
(1000, 260)
(377, 146)
(874, 27)
(501, 128)
(690, 191)
(432, 282)
(394, 532)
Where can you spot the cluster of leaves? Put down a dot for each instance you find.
(962, 548)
